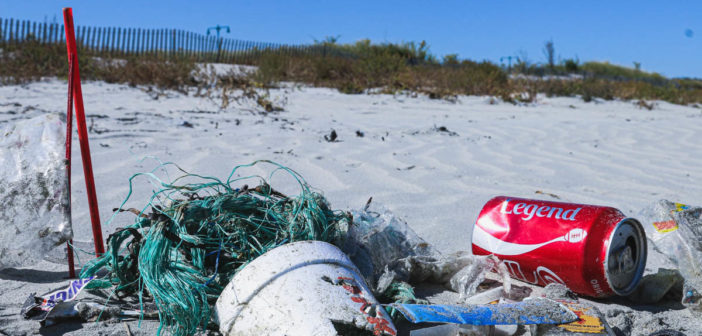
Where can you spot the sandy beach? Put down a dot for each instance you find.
(434, 163)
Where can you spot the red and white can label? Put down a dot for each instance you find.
(543, 242)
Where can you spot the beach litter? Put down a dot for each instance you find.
(388, 252)
(529, 311)
(590, 319)
(596, 251)
(35, 214)
(674, 232)
(198, 235)
(207, 253)
(301, 288)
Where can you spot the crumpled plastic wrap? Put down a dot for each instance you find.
(34, 215)
(674, 232)
(386, 249)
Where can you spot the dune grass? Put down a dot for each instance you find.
(364, 67)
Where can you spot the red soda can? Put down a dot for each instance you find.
(594, 250)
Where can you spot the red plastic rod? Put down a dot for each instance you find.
(83, 132)
(69, 135)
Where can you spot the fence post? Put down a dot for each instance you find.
(49, 37)
(2, 31)
(98, 39)
(235, 51)
(43, 34)
(201, 47)
(146, 45)
(188, 43)
(87, 42)
(162, 41)
(157, 41)
(101, 40)
(228, 50)
(219, 48)
(113, 43)
(150, 37)
(193, 45)
(122, 33)
(104, 39)
(140, 42)
(185, 43)
(135, 40)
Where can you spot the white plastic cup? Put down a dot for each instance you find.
(303, 288)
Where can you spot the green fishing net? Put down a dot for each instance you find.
(190, 239)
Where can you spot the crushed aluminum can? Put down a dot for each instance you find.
(594, 250)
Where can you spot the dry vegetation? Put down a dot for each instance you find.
(359, 67)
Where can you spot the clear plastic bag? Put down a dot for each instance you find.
(386, 249)
(674, 231)
(35, 216)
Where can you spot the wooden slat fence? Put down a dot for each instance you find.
(121, 42)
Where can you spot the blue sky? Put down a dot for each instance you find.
(621, 32)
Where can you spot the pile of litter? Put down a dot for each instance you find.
(196, 236)
(34, 209)
(191, 238)
(194, 257)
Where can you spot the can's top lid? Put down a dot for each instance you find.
(626, 257)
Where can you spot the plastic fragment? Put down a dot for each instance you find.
(530, 311)
(674, 231)
(34, 209)
(387, 250)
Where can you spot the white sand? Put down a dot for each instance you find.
(608, 153)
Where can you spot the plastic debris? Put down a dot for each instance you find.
(453, 330)
(674, 231)
(654, 287)
(202, 231)
(387, 251)
(34, 205)
(590, 322)
(314, 283)
(590, 319)
(63, 304)
(529, 311)
(490, 295)
(39, 307)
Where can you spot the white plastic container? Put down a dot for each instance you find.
(302, 288)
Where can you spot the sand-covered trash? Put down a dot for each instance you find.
(34, 211)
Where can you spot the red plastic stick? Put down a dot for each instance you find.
(83, 132)
(69, 135)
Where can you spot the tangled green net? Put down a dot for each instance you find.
(191, 238)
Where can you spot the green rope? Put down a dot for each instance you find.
(400, 292)
(196, 236)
